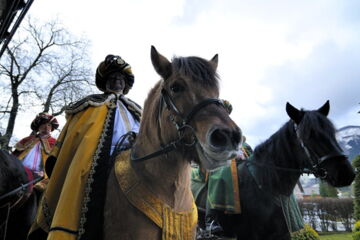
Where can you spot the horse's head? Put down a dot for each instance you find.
(12, 175)
(188, 109)
(316, 135)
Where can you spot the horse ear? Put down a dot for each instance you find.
(214, 61)
(161, 64)
(295, 114)
(324, 110)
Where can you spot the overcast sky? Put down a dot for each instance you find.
(270, 52)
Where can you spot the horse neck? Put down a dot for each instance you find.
(167, 175)
(279, 151)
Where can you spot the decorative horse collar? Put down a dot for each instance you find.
(174, 225)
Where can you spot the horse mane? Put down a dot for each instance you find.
(279, 149)
(151, 107)
(315, 121)
(268, 153)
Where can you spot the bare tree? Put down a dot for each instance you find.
(44, 66)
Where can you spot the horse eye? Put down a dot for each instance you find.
(176, 88)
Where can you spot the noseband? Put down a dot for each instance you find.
(315, 162)
(181, 126)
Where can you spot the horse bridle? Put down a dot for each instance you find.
(181, 126)
(316, 162)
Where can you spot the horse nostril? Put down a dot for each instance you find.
(236, 138)
(225, 137)
(219, 138)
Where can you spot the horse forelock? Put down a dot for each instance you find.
(199, 69)
(315, 121)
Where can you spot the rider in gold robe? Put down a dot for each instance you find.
(72, 206)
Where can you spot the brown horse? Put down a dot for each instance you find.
(183, 121)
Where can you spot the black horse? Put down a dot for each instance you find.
(305, 144)
(18, 201)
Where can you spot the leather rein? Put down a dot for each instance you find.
(22, 194)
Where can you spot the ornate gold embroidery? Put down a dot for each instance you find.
(174, 225)
(90, 178)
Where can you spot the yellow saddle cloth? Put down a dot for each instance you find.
(174, 225)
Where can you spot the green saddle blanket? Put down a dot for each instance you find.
(221, 195)
(199, 189)
(291, 211)
(222, 188)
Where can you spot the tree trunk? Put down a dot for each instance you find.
(48, 101)
(11, 121)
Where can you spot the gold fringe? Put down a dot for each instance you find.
(174, 225)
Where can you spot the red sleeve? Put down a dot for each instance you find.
(52, 141)
(25, 140)
(20, 145)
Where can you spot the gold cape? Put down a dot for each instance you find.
(75, 151)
